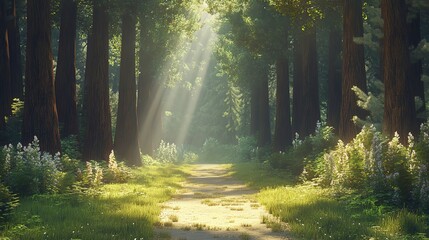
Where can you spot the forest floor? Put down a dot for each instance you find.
(213, 205)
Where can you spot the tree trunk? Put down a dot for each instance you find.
(306, 106)
(98, 132)
(126, 137)
(15, 55)
(145, 94)
(40, 112)
(264, 130)
(283, 128)
(65, 79)
(5, 80)
(254, 110)
(353, 69)
(416, 68)
(334, 80)
(399, 109)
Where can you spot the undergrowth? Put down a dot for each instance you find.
(118, 211)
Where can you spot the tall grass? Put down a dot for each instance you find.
(119, 211)
(312, 212)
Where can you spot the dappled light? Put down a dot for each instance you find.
(214, 119)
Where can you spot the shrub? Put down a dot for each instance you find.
(246, 148)
(116, 172)
(8, 202)
(70, 147)
(215, 152)
(391, 172)
(12, 131)
(305, 153)
(167, 153)
(90, 178)
(29, 171)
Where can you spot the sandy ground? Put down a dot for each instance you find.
(212, 205)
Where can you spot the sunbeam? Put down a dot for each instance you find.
(181, 98)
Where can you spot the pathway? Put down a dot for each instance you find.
(212, 205)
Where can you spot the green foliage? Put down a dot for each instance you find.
(119, 211)
(29, 171)
(305, 152)
(114, 99)
(385, 169)
(8, 203)
(12, 131)
(403, 222)
(166, 153)
(374, 104)
(116, 172)
(214, 152)
(245, 148)
(90, 178)
(70, 147)
(233, 101)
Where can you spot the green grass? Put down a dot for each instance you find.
(120, 211)
(314, 213)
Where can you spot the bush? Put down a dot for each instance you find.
(70, 147)
(90, 178)
(8, 202)
(29, 171)
(116, 172)
(214, 152)
(246, 148)
(167, 153)
(12, 131)
(303, 156)
(391, 172)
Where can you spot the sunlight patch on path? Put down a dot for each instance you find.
(213, 205)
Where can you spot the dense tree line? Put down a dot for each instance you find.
(278, 66)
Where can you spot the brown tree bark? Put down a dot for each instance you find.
(5, 79)
(416, 67)
(97, 143)
(399, 107)
(40, 112)
(353, 69)
(283, 129)
(15, 54)
(334, 80)
(126, 136)
(65, 78)
(306, 105)
(264, 129)
(145, 109)
(254, 110)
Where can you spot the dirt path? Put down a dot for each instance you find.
(213, 205)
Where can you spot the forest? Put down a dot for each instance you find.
(112, 111)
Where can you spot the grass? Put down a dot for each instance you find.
(120, 211)
(314, 213)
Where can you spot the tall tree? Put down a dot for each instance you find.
(15, 53)
(126, 137)
(306, 105)
(353, 68)
(283, 128)
(264, 130)
(399, 108)
(97, 141)
(5, 80)
(416, 67)
(40, 112)
(65, 78)
(334, 79)
(145, 94)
